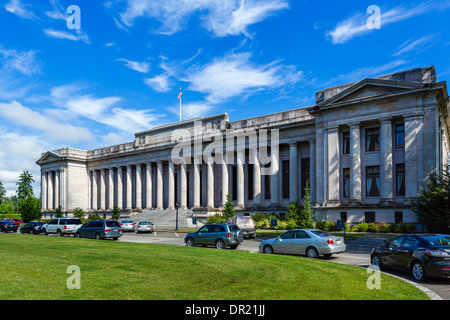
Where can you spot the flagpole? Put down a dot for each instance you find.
(180, 103)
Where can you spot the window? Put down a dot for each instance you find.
(346, 142)
(301, 235)
(372, 139)
(285, 167)
(288, 235)
(373, 181)
(400, 136)
(344, 216)
(267, 183)
(398, 217)
(400, 179)
(410, 242)
(397, 242)
(251, 181)
(369, 217)
(346, 182)
(305, 175)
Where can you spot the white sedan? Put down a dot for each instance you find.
(309, 242)
(145, 226)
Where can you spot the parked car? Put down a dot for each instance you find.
(100, 229)
(309, 242)
(425, 255)
(62, 226)
(246, 224)
(127, 225)
(220, 235)
(17, 221)
(6, 226)
(145, 226)
(33, 227)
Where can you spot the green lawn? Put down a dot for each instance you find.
(34, 267)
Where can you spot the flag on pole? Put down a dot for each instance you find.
(180, 94)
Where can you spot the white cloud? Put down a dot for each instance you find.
(220, 17)
(23, 62)
(356, 25)
(80, 36)
(26, 117)
(192, 110)
(160, 83)
(20, 9)
(142, 67)
(235, 75)
(412, 45)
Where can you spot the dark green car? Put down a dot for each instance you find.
(220, 235)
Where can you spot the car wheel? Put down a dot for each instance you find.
(376, 261)
(59, 233)
(312, 253)
(190, 242)
(220, 244)
(268, 249)
(77, 235)
(44, 232)
(97, 236)
(21, 231)
(418, 271)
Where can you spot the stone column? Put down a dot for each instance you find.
(183, 183)
(274, 177)
(171, 185)
(293, 172)
(102, 189)
(111, 189)
(312, 170)
(240, 178)
(386, 166)
(413, 134)
(94, 190)
(355, 168)
(210, 188)
(257, 193)
(196, 169)
(120, 187)
(43, 191)
(333, 165)
(57, 188)
(159, 185)
(129, 198)
(138, 186)
(148, 185)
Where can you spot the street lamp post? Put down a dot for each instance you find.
(177, 205)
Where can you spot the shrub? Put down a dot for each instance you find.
(371, 227)
(393, 228)
(282, 225)
(363, 227)
(262, 224)
(383, 227)
(321, 225)
(94, 217)
(217, 218)
(407, 228)
(260, 216)
(291, 225)
(354, 229)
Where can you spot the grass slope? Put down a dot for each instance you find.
(34, 267)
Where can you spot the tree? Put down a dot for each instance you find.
(79, 213)
(24, 186)
(433, 205)
(7, 208)
(2, 193)
(228, 209)
(306, 213)
(30, 209)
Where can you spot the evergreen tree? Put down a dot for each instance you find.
(24, 186)
(30, 209)
(2, 193)
(228, 210)
(306, 213)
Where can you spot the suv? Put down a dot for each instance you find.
(6, 226)
(220, 235)
(100, 229)
(246, 224)
(62, 226)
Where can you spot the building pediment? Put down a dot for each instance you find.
(49, 156)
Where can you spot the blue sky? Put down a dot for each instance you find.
(121, 72)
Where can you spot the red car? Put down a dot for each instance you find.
(17, 221)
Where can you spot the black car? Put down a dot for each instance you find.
(6, 226)
(426, 255)
(33, 227)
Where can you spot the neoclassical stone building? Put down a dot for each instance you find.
(364, 149)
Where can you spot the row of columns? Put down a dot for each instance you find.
(51, 189)
(99, 178)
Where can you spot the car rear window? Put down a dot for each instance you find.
(144, 223)
(233, 227)
(126, 221)
(112, 224)
(321, 233)
(439, 241)
(73, 221)
(244, 219)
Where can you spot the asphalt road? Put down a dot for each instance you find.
(357, 254)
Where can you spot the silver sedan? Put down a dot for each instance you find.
(127, 225)
(309, 242)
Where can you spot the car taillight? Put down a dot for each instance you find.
(107, 230)
(65, 227)
(120, 230)
(330, 242)
(229, 234)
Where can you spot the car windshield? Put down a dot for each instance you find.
(73, 221)
(439, 241)
(321, 233)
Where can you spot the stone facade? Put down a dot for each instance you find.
(364, 148)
